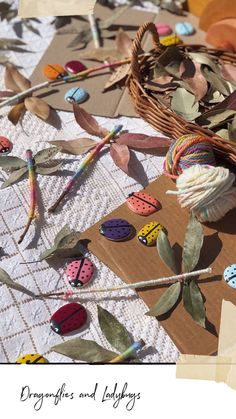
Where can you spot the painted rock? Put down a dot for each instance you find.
(170, 40)
(163, 29)
(68, 318)
(143, 204)
(32, 359)
(230, 275)
(116, 229)
(75, 67)
(54, 71)
(184, 28)
(5, 145)
(76, 94)
(148, 234)
(79, 272)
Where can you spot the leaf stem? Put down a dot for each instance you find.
(32, 184)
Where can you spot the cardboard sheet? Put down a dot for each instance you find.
(132, 262)
(29, 8)
(117, 101)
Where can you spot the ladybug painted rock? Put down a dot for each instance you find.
(31, 359)
(230, 275)
(75, 67)
(184, 28)
(76, 95)
(116, 229)
(143, 204)
(79, 272)
(170, 40)
(5, 145)
(163, 29)
(68, 318)
(148, 234)
(54, 71)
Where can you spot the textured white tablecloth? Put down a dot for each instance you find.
(24, 322)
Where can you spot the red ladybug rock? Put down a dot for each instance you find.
(143, 204)
(68, 318)
(79, 272)
(5, 145)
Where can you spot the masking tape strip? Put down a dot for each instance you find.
(201, 367)
(33, 8)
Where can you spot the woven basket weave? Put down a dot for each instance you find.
(156, 113)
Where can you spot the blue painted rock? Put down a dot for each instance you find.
(149, 233)
(68, 318)
(163, 29)
(184, 28)
(31, 359)
(75, 67)
(76, 95)
(54, 71)
(5, 145)
(143, 204)
(116, 229)
(79, 272)
(230, 275)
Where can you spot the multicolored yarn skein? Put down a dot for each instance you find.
(204, 189)
(188, 151)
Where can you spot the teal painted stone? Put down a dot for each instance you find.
(230, 275)
(184, 28)
(76, 95)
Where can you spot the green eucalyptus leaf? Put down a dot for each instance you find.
(5, 279)
(84, 350)
(166, 252)
(69, 241)
(41, 170)
(14, 177)
(192, 244)
(204, 59)
(45, 155)
(213, 118)
(216, 81)
(223, 133)
(184, 104)
(66, 244)
(113, 330)
(193, 302)
(47, 253)
(61, 234)
(166, 301)
(12, 163)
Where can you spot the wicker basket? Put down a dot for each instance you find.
(156, 113)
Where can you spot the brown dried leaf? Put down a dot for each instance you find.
(197, 82)
(121, 156)
(16, 112)
(124, 43)
(101, 54)
(88, 122)
(143, 141)
(38, 107)
(76, 147)
(14, 80)
(156, 87)
(117, 76)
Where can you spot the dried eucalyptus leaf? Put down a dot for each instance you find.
(75, 147)
(83, 38)
(167, 301)
(66, 244)
(38, 107)
(124, 43)
(204, 59)
(183, 103)
(213, 96)
(84, 350)
(171, 59)
(12, 163)
(215, 117)
(223, 133)
(119, 75)
(101, 54)
(106, 23)
(30, 27)
(45, 155)
(69, 241)
(3, 59)
(166, 252)
(113, 330)
(5, 279)
(61, 234)
(216, 81)
(14, 177)
(41, 170)
(47, 253)
(193, 302)
(192, 244)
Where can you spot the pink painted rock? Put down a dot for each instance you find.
(163, 29)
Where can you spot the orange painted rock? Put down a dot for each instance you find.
(54, 71)
(222, 34)
(215, 11)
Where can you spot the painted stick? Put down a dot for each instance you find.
(141, 284)
(84, 164)
(94, 30)
(126, 354)
(32, 185)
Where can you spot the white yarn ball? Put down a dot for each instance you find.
(207, 191)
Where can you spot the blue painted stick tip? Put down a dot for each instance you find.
(117, 129)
